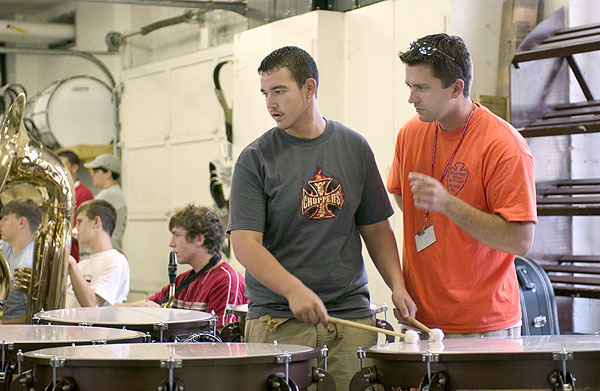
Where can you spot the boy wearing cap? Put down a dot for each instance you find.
(105, 171)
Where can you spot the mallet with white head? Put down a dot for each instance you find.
(435, 335)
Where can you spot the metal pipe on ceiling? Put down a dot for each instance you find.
(240, 7)
(64, 52)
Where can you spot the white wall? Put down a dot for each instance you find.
(171, 123)
(479, 24)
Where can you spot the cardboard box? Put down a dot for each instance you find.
(519, 17)
(496, 104)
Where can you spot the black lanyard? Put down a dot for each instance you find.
(192, 277)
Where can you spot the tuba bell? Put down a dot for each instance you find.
(4, 280)
(25, 160)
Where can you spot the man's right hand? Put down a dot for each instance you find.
(306, 306)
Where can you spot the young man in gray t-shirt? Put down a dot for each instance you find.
(302, 196)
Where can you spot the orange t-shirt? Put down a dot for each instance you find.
(459, 284)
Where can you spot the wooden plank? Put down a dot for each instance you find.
(575, 280)
(568, 30)
(568, 211)
(580, 258)
(580, 120)
(562, 200)
(568, 190)
(571, 269)
(567, 106)
(592, 110)
(558, 49)
(593, 30)
(569, 182)
(562, 290)
(559, 130)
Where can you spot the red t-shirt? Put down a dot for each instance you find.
(459, 284)
(211, 291)
(82, 194)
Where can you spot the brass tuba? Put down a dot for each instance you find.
(25, 160)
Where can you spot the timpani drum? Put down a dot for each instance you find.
(174, 366)
(163, 324)
(18, 339)
(234, 331)
(527, 363)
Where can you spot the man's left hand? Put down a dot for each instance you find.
(428, 193)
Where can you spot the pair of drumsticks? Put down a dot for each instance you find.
(435, 335)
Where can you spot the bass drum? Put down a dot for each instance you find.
(73, 111)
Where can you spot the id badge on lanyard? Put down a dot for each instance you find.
(426, 236)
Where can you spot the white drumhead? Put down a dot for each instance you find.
(179, 351)
(23, 334)
(526, 344)
(77, 110)
(240, 309)
(124, 316)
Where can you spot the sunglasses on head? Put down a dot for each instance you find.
(427, 49)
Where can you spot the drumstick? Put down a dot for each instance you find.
(409, 336)
(419, 324)
(364, 327)
(435, 335)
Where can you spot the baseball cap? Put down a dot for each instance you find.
(107, 161)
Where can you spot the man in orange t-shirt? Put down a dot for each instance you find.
(464, 180)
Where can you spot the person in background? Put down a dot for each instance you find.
(20, 221)
(102, 279)
(197, 239)
(106, 169)
(464, 179)
(82, 193)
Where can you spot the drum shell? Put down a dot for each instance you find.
(76, 110)
(241, 311)
(509, 370)
(248, 374)
(27, 338)
(177, 324)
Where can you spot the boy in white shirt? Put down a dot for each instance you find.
(103, 279)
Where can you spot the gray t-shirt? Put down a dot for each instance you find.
(16, 303)
(308, 198)
(114, 196)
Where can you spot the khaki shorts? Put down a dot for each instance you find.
(511, 332)
(342, 342)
